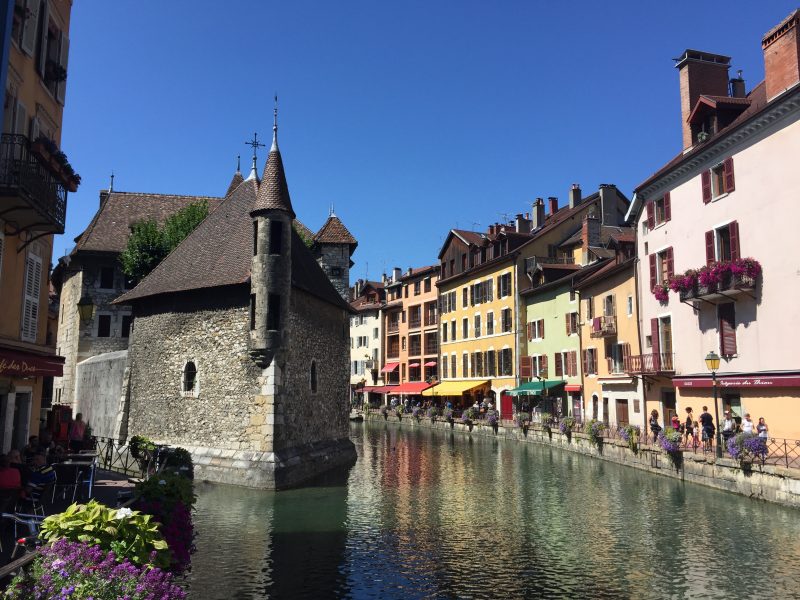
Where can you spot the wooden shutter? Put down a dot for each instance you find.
(30, 306)
(727, 329)
(63, 57)
(733, 233)
(727, 170)
(30, 27)
(585, 360)
(705, 178)
(559, 364)
(667, 207)
(670, 263)
(21, 120)
(651, 215)
(525, 366)
(573, 358)
(653, 271)
(541, 328)
(656, 345)
(711, 255)
(45, 20)
(543, 363)
(530, 331)
(566, 322)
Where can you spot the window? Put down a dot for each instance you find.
(658, 211)
(589, 308)
(536, 330)
(417, 288)
(445, 364)
(452, 365)
(465, 365)
(727, 328)
(477, 326)
(463, 262)
(374, 333)
(31, 293)
(273, 312)
(403, 343)
(540, 366)
(465, 328)
(572, 295)
(313, 377)
(506, 320)
(609, 306)
(504, 285)
(490, 323)
(491, 363)
(189, 383)
(453, 330)
(505, 362)
(107, 278)
(722, 244)
(589, 358)
(718, 181)
(464, 293)
(414, 345)
(661, 267)
(566, 364)
(403, 315)
(127, 321)
(572, 322)
(427, 284)
(255, 238)
(253, 315)
(444, 332)
(275, 237)
(630, 306)
(414, 316)
(104, 326)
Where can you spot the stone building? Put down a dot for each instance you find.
(333, 246)
(240, 350)
(91, 273)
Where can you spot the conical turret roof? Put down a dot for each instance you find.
(273, 193)
(235, 181)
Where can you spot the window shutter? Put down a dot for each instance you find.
(573, 357)
(30, 308)
(655, 343)
(35, 129)
(651, 216)
(727, 170)
(541, 328)
(711, 255)
(21, 122)
(733, 232)
(705, 178)
(543, 363)
(566, 321)
(530, 331)
(653, 280)
(670, 264)
(63, 57)
(30, 27)
(626, 352)
(559, 364)
(525, 366)
(667, 207)
(585, 361)
(43, 37)
(727, 329)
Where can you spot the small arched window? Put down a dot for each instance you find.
(313, 377)
(190, 378)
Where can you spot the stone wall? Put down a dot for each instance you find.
(770, 483)
(98, 390)
(68, 336)
(335, 261)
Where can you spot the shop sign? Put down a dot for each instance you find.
(18, 364)
(740, 382)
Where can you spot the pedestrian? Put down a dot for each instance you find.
(707, 423)
(655, 428)
(748, 426)
(10, 478)
(675, 421)
(761, 428)
(690, 428)
(728, 427)
(76, 432)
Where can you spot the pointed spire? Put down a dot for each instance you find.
(238, 163)
(274, 147)
(237, 177)
(111, 185)
(273, 193)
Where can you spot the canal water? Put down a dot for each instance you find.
(433, 514)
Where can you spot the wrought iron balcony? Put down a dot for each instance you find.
(533, 262)
(727, 289)
(604, 326)
(653, 363)
(414, 323)
(32, 198)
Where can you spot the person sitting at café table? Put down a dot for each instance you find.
(10, 478)
(15, 461)
(40, 475)
(31, 449)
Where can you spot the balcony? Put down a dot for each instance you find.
(730, 286)
(32, 198)
(414, 350)
(604, 326)
(393, 327)
(393, 353)
(431, 319)
(415, 323)
(533, 263)
(661, 362)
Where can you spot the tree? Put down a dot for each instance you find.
(148, 244)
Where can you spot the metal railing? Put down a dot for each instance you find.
(730, 282)
(604, 326)
(658, 362)
(115, 456)
(23, 175)
(415, 323)
(393, 327)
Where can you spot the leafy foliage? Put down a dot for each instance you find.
(130, 534)
(566, 425)
(148, 244)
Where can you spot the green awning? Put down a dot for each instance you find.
(535, 388)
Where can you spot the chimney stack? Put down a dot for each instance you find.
(608, 204)
(538, 213)
(737, 86)
(574, 195)
(781, 46)
(700, 73)
(396, 274)
(590, 232)
(103, 197)
(553, 201)
(523, 225)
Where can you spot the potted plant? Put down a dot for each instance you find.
(746, 447)
(566, 425)
(432, 412)
(523, 420)
(416, 412)
(670, 442)
(630, 434)
(594, 431)
(448, 416)
(661, 292)
(493, 420)
(385, 412)
(468, 417)
(546, 419)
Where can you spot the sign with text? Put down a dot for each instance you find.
(22, 364)
(755, 381)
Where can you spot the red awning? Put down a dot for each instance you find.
(25, 364)
(572, 387)
(413, 365)
(390, 367)
(412, 387)
(430, 363)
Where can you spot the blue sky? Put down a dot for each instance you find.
(409, 117)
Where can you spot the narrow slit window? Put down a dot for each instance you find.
(190, 377)
(274, 312)
(255, 238)
(275, 237)
(252, 311)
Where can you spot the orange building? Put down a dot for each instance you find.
(34, 180)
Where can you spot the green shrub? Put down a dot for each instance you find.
(167, 488)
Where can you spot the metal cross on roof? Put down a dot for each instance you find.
(255, 144)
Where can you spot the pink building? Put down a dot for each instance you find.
(728, 196)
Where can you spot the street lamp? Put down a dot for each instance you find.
(712, 362)
(85, 308)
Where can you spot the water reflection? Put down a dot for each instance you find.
(434, 514)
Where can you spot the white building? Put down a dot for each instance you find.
(366, 337)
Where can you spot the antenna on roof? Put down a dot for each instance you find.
(275, 125)
(475, 225)
(255, 145)
(111, 185)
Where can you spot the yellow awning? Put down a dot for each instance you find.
(452, 388)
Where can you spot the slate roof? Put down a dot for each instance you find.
(334, 232)
(419, 271)
(235, 181)
(273, 192)
(607, 232)
(219, 253)
(304, 231)
(111, 226)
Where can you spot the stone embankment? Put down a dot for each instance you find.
(763, 482)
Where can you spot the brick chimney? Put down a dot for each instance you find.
(553, 202)
(781, 46)
(700, 73)
(574, 195)
(538, 213)
(523, 225)
(590, 232)
(737, 86)
(104, 194)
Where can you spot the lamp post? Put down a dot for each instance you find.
(85, 308)
(712, 362)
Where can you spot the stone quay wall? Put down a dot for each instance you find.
(763, 482)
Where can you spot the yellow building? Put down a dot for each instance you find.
(34, 181)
